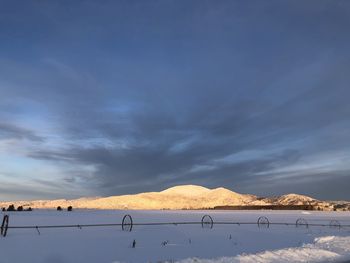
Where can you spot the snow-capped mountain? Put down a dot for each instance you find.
(178, 197)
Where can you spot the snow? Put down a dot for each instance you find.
(187, 190)
(178, 197)
(324, 249)
(183, 243)
(294, 199)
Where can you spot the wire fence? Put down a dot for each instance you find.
(127, 224)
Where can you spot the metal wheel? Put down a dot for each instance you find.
(4, 225)
(127, 223)
(334, 224)
(263, 221)
(301, 222)
(207, 222)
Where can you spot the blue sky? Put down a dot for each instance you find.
(111, 97)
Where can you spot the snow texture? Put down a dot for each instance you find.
(324, 249)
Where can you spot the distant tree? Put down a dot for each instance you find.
(20, 208)
(11, 208)
(59, 208)
(3, 209)
(29, 209)
(70, 208)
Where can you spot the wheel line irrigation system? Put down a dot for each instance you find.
(206, 222)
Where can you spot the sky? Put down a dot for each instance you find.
(101, 98)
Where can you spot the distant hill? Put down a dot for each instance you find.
(178, 197)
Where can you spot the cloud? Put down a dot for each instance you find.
(129, 97)
(10, 131)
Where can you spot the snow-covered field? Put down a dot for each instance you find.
(184, 243)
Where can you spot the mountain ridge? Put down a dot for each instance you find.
(177, 197)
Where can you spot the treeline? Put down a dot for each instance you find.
(69, 208)
(19, 208)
